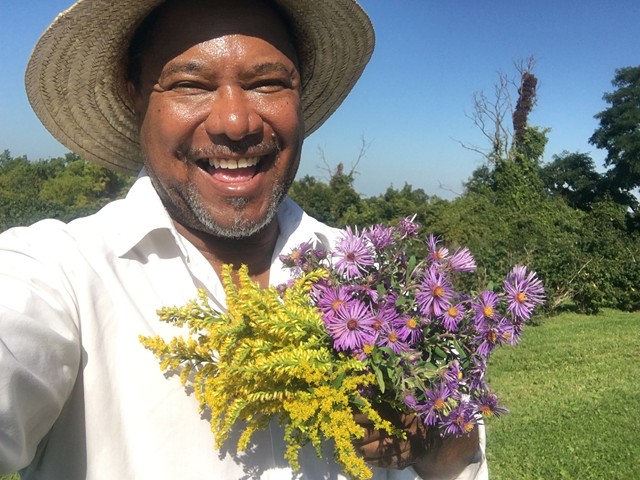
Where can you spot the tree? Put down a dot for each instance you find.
(619, 130)
(79, 185)
(336, 203)
(515, 211)
(527, 93)
(393, 205)
(19, 187)
(490, 114)
(63, 188)
(515, 155)
(314, 197)
(573, 177)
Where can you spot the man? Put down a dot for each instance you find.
(215, 97)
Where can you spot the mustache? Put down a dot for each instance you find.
(244, 149)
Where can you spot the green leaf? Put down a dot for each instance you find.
(337, 382)
(411, 265)
(439, 352)
(388, 351)
(358, 402)
(379, 378)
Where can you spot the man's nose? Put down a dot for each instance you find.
(233, 114)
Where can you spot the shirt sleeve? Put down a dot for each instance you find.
(39, 345)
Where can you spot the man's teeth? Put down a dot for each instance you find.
(232, 164)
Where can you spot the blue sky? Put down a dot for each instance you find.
(412, 104)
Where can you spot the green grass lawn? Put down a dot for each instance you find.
(573, 390)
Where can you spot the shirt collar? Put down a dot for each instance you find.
(144, 214)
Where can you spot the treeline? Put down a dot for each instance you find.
(64, 188)
(577, 227)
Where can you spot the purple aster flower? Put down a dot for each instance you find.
(383, 316)
(524, 292)
(368, 345)
(436, 254)
(283, 287)
(486, 308)
(407, 227)
(390, 336)
(410, 401)
(460, 421)
(409, 328)
(350, 326)
(297, 255)
(363, 291)
(462, 261)
(477, 373)
(451, 375)
(488, 405)
(329, 299)
(320, 252)
(435, 405)
(452, 317)
(379, 236)
(390, 300)
(492, 336)
(354, 254)
(434, 293)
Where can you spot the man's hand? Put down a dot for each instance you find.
(432, 456)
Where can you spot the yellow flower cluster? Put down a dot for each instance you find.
(269, 356)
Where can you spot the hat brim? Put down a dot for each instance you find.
(76, 75)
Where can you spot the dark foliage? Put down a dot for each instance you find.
(619, 130)
(63, 188)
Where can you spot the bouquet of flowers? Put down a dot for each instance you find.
(361, 328)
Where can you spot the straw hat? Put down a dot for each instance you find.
(76, 75)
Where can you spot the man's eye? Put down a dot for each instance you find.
(188, 87)
(270, 86)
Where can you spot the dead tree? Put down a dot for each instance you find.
(490, 114)
(526, 100)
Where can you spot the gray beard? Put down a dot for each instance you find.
(241, 227)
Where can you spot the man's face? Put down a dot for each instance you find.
(220, 116)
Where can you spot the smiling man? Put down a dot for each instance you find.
(217, 98)
(209, 102)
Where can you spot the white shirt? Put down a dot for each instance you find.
(80, 398)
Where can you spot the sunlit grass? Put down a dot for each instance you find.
(573, 389)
